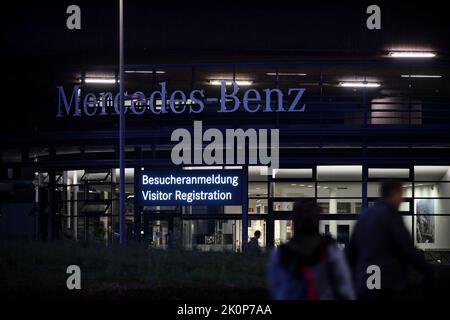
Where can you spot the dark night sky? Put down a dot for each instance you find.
(36, 43)
(182, 29)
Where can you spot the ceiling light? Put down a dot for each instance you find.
(420, 76)
(411, 54)
(359, 84)
(145, 71)
(100, 80)
(285, 74)
(230, 82)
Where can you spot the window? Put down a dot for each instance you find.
(432, 207)
(339, 189)
(432, 232)
(432, 173)
(292, 173)
(373, 189)
(257, 173)
(257, 189)
(293, 189)
(284, 231)
(389, 173)
(212, 235)
(340, 230)
(258, 206)
(345, 206)
(339, 173)
(257, 225)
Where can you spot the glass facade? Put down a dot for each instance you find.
(87, 207)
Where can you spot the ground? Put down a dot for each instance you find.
(132, 271)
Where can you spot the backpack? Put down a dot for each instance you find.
(307, 277)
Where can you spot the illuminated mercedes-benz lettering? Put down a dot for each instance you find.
(162, 101)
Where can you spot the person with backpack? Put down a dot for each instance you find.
(310, 266)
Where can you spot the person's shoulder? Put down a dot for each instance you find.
(378, 209)
(328, 239)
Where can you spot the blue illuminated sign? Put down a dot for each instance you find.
(189, 187)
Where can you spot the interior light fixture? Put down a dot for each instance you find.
(230, 82)
(285, 74)
(100, 80)
(412, 54)
(420, 76)
(145, 71)
(355, 84)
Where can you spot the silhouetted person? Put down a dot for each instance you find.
(380, 238)
(253, 244)
(310, 266)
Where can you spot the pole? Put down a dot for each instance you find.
(122, 230)
(51, 205)
(244, 207)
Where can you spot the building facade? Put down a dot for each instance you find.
(365, 120)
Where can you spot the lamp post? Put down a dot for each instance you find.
(122, 226)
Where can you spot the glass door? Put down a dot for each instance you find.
(158, 234)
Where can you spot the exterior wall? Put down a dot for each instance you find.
(17, 222)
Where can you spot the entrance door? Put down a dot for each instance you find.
(159, 233)
(161, 230)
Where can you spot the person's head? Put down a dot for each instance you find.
(257, 234)
(392, 192)
(306, 217)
